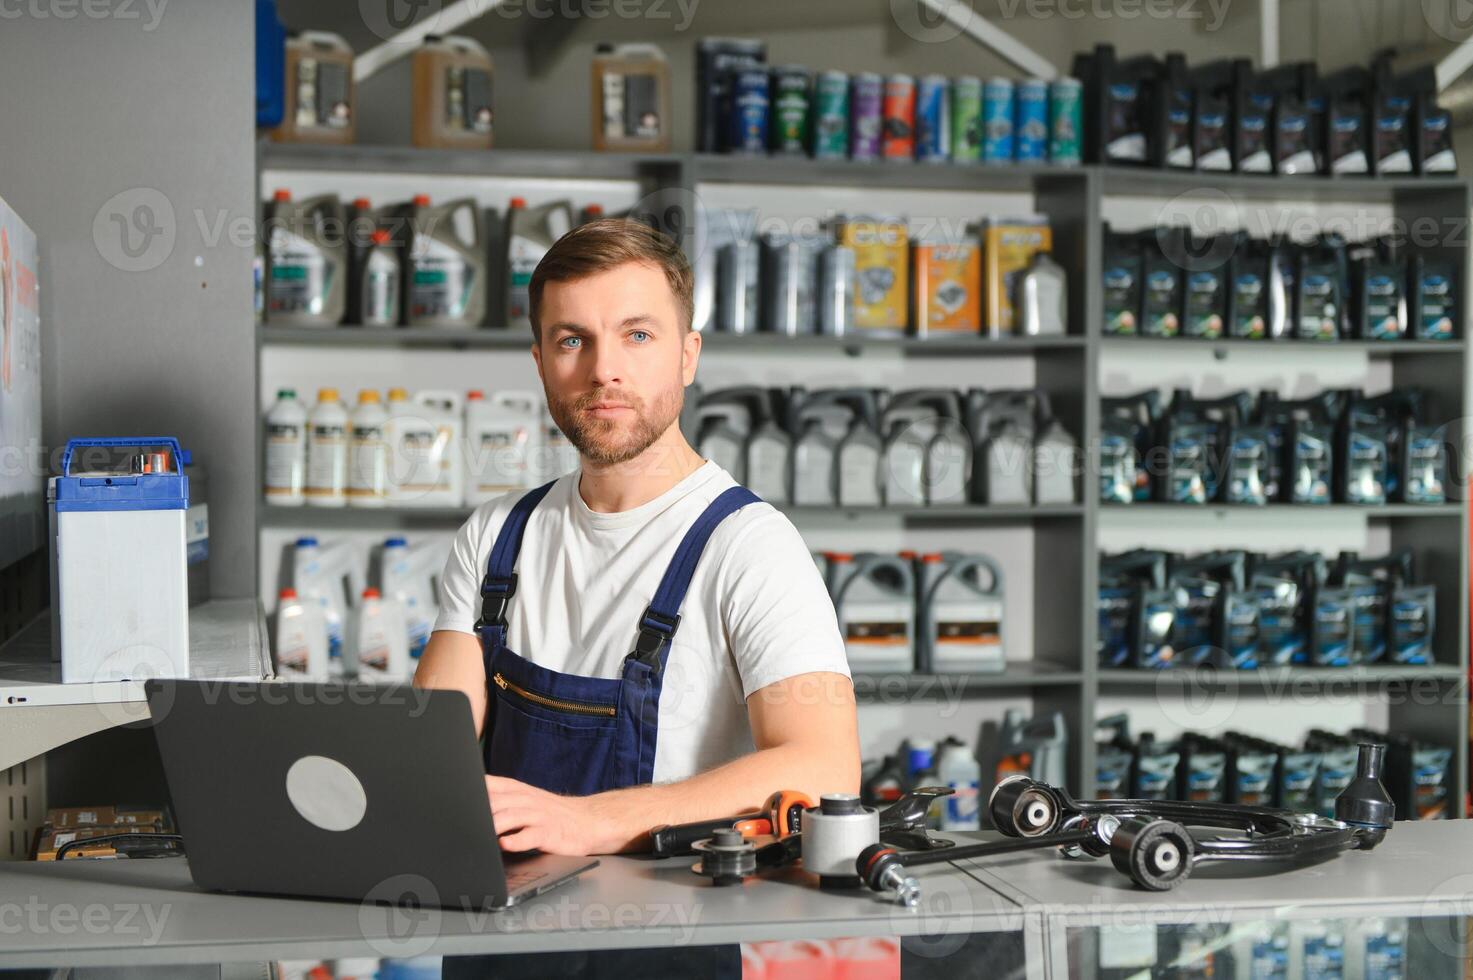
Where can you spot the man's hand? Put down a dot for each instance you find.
(528, 818)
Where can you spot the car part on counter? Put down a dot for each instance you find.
(1148, 840)
(833, 832)
(779, 817)
(727, 858)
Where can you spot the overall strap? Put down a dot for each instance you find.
(660, 619)
(500, 583)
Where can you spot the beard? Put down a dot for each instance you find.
(609, 442)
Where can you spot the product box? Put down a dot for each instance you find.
(948, 287)
(1008, 246)
(881, 249)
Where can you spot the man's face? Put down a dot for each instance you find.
(614, 360)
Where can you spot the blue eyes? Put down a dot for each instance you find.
(639, 336)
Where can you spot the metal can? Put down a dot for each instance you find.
(933, 119)
(831, 116)
(789, 281)
(1066, 120)
(836, 277)
(866, 116)
(1030, 125)
(899, 140)
(750, 105)
(790, 111)
(966, 119)
(997, 121)
(737, 293)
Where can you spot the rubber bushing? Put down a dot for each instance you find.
(1021, 807)
(1155, 854)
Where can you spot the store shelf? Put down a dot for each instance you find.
(495, 338)
(880, 174)
(503, 338)
(1296, 512)
(1224, 345)
(227, 641)
(275, 515)
(1271, 678)
(1018, 676)
(1156, 182)
(530, 164)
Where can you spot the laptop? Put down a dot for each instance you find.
(338, 790)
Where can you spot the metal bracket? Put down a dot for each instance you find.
(990, 36)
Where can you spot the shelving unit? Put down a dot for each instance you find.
(227, 640)
(1063, 543)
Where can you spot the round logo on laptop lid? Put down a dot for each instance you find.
(326, 793)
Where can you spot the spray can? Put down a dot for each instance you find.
(789, 269)
(788, 134)
(966, 119)
(750, 109)
(866, 116)
(835, 300)
(831, 116)
(997, 121)
(1030, 131)
(1066, 121)
(899, 139)
(933, 119)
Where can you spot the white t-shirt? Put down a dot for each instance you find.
(756, 613)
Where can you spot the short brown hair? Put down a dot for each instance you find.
(606, 244)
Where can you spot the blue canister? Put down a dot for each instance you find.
(933, 119)
(997, 120)
(1030, 124)
(751, 105)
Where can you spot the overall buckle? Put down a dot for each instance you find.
(495, 598)
(655, 630)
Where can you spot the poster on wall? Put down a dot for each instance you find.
(23, 463)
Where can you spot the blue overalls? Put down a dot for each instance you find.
(581, 735)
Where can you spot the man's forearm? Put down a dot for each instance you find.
(742, 784)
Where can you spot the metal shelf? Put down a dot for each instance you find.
(276, 515)
(530, 164)
(883, 174)
(1159, 182)
(227, 640)
(871, 688)
(1382, 512)
(505, 338)
(1271, 677)
(1382, 348)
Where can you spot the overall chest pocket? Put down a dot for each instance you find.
(556, 732)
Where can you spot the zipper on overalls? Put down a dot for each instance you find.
(573, 707)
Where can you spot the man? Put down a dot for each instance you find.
(642, 641)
